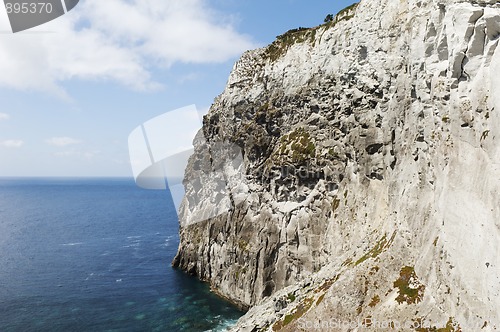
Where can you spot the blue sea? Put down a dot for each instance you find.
(94, 255)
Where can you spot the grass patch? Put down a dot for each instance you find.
(347, 9)
(320, 299)
(374, 270)
(381, 245)
(451, 326)
(409, 288)
(301, 309)
(332, 154)
(301, 35)
(375, 300)
(283, 42)
(296, 147)
(335, 204)
(243, 245)
(342, 15)
(347, 262)
(241, 271)
(327, 284)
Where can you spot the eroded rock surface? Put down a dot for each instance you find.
(368, 188)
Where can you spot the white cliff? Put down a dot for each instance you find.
(369, 184)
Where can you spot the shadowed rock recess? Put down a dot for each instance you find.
(368, 196)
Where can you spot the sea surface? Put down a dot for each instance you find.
(94, 255)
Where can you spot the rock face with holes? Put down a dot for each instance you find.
(368, 189)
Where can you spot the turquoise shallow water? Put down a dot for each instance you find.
(94, 255)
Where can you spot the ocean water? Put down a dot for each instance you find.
(94, 255)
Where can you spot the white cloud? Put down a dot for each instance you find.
(62, 141)
(4, 116)
(78, 154)
(117, 40)
(12, 144)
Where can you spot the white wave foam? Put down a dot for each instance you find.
(224, 326)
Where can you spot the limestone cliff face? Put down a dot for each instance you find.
(368, 184)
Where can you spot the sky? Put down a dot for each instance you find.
(73, 89)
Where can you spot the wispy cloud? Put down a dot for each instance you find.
(87, 155)
(12, 144)
(188, 78)
(4, 116)
(118, 40)
(62, 141)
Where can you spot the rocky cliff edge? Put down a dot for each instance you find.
(361, 165)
